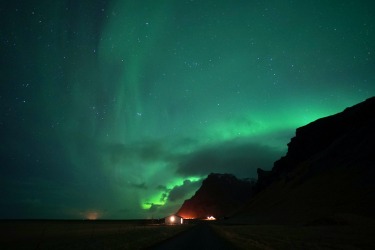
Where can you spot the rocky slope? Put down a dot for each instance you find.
(219, 196)
(327, 175)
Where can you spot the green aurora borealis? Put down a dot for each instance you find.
(120, 107)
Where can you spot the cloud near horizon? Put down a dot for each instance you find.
(173, 198)
(235, 157)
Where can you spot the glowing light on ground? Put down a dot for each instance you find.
(211, 218)
(92, 215)
(188, 216)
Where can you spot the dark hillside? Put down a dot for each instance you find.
(327, 175)
(219, 196)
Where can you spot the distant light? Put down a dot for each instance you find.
(211, 218)
(92, 215)
(172, 219)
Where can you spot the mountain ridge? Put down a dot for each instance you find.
(326, 175)
(219, 196)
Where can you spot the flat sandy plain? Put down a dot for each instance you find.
(56, 234)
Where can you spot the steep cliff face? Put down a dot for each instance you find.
(344, 136)
(329, 170)
(219, 196)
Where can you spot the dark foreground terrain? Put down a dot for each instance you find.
(84, 234)
(267, 237)
(202, 236)
(139, 235)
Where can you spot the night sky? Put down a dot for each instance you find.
(118, 109)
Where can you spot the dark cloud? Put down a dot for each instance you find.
(165, 193)
(176, 195)
(154, 207)
(139, 185)
(163, 197)
(185, 142)
(236, 157)
(163, 210)
(161, 187)
(181, 192)
(147, 151)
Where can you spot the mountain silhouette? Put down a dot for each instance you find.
(327, 175)
(219, 196)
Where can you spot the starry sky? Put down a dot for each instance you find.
(115, 109)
